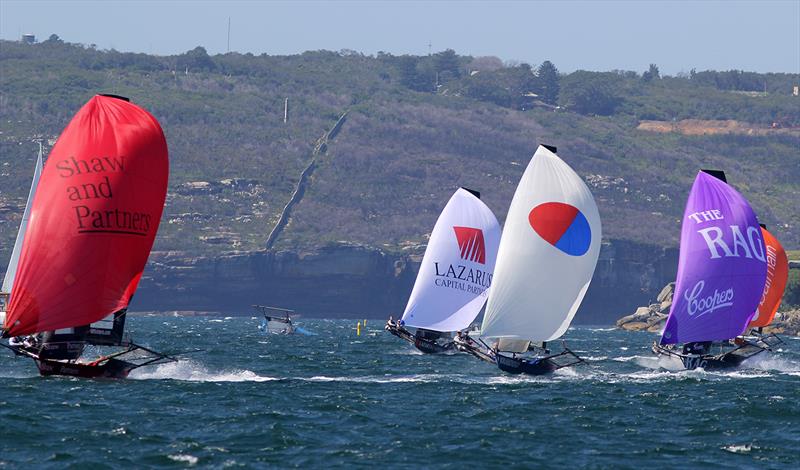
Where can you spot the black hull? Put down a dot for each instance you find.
(110, 369)
(423, 344)
(513, 365)
(430, 347)
(539, 365)
(105, 367)
(727, 360)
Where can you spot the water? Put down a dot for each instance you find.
(337, 399)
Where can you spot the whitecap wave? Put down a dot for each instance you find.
(595, 358)
(190, 460)
(739, 449)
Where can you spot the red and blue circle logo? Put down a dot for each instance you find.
(563, 226)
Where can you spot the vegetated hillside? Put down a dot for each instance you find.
(406, 145)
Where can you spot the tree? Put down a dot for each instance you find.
(447, 61)
(407, 68)
(196, 59)
(548, 87)
(651, 74)
(485, 64)
(415, 74)
(590, 92)
(486, 86)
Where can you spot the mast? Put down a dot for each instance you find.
(547, 255)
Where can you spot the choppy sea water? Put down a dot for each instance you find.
(337, 399)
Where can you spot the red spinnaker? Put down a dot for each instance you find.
(93, 221)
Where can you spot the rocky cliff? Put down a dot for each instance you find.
(356, 281)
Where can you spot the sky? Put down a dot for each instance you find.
(760, 36)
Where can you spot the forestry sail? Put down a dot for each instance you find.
(93, 220)
(777, 276)
(457, 268)
(722, 266)
(8, 281)
(548, 252)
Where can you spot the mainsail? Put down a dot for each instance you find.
(11, 271)
(547, 255)
(777, 276)
(722, 266)
(93, 220)
(457, 268)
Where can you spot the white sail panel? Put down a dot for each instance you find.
(457, 268)
(547, 255)
(11, 271)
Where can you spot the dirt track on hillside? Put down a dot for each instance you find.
(708, 127)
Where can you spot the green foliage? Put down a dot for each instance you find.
(416, 74)
(196, 60)
(739, 80)
(651, 74)
(547, 85)
(791, 296)
(591, 93)
(447, 63)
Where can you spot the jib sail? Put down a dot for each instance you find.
(11, 271)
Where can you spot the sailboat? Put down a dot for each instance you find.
(547, 256)
(454, 276)
(722, 270)
(774, 286)
(276, 324)
(89, 226)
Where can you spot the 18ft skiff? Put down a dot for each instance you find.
(89, 226)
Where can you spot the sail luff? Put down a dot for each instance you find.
(456, 270)
(11, 271)
(541, 278)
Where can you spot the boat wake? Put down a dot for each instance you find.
(771, 362)
(192, 371)
(652, 362)
(378, 379)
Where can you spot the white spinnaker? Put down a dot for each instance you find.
(11, 272)
(452, 283)
(537, 288)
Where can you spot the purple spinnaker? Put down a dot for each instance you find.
(722, 266)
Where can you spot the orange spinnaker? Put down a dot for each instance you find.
(777, 275)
